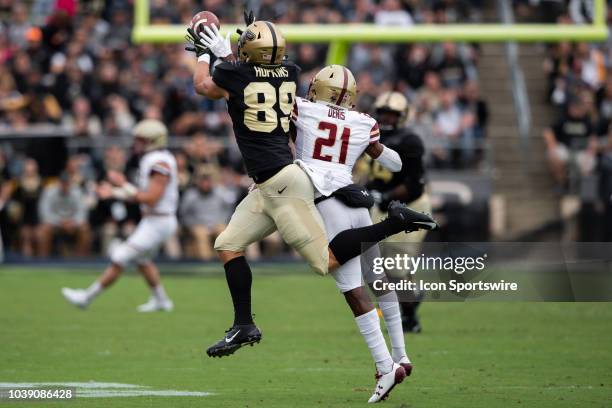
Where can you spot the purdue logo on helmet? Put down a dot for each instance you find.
(261, 43)
(393, 102)
(153, 132)
(334, 84)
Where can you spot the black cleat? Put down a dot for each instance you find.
(410, 219)
(235, 337)
(410, 318)
(411, 326)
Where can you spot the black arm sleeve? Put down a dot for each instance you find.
(413, 170)
(415, 178)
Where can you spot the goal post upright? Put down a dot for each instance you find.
(340, 36)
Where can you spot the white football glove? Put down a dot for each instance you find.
(214, 41)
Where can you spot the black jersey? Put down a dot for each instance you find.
(260, 101)
(410, 148)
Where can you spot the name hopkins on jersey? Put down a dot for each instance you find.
(278, 72)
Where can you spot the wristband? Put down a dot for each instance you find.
(390, 160)
(125, 192)
(204, 58)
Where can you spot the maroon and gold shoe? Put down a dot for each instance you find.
(386, 382)
(406, 365)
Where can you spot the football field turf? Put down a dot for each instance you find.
(469, 355)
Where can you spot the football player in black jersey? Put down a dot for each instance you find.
(260, 91)
(407, 185)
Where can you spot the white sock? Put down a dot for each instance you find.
(160, 293)
(93, 290)
(369, 326)
(389, 306)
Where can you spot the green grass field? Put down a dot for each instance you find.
(469, 355)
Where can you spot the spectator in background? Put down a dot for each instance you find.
(80, 121)
(454, 130)
(451, 68)
(19, 25)
(581, 11)
(204, 211)
(115, 219)
(202, 150)
(63, 214)
(556, 65)
(571, 138)
(477, 107)
(412, 64)
(593, 65)
(27, 191)
(367, 91)
(430, 96)
(551, 10)
(183, 172)
(391, 13)
(604, 107)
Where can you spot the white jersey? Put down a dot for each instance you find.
(160, 161)
(329, 141)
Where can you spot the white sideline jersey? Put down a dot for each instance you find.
(160, 161)
(329, 141)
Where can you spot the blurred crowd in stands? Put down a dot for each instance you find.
(578, 141)
(68, 67)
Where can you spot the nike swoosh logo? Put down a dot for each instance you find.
(228, 339)
(430, 225)
(281, 190)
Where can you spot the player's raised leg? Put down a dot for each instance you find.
(248, 224)
(288, 199)
(83, 297)
(337, 217)
(121, 256)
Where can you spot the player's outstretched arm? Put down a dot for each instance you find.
(388, 158)
(204, 84)
(119, 188)
(202, 45)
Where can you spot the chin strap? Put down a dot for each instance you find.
(125, 192)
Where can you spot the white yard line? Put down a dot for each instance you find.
(95, 389)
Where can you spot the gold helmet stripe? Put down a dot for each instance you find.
(344, 85)
(274, 42)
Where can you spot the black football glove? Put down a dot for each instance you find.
(195, 45)
(249, 18)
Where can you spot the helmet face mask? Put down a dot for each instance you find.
(261, 43)
(391, 110)
(335, 85)
(388, 120)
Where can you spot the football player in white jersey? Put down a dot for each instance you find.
(157, 193)
(329, 138)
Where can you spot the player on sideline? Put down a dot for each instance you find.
(408, 186)
(260, 92)
(157, 194)
(329, 138)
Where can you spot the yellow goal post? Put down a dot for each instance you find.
(340, 36)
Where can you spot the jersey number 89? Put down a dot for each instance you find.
(261, 97)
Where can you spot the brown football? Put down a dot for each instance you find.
(202, 19)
